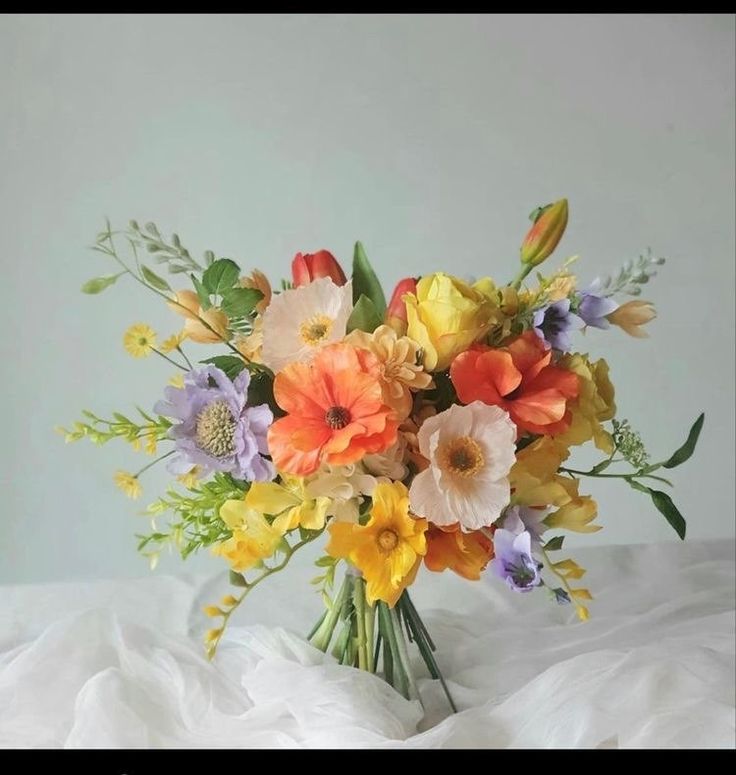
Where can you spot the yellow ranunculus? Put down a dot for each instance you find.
(289, 504)
(445, 316)
(253, 538)
(594, 405)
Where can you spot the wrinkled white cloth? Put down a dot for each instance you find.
(120, 664)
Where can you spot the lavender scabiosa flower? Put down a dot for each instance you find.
(218, 431)
(513, 560)
(553, 324)
(593, 308)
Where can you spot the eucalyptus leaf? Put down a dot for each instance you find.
(687, 449)
(221, 276)
(153, 279)
(98, 284)
(364, 316)
(365, 281)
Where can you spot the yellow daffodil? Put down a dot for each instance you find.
(400, 370)
(253, 538)
(289, 503)
(388, 549)
(594, 405)
(128, 483)
(172, 342)
(139, 340)
(445, 316)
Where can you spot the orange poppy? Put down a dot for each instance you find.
(335, 411)
(520, 379)
(465, 553)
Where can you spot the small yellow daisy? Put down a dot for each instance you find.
(139, 340)
(190, 478)
(128, 483)
(172, 342)
(151, 443)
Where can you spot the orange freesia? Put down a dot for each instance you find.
(520, 379)
(632, 316)
(465, 553)
(335, 411)
(186, 303)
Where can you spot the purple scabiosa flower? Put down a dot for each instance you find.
(513, 560)
(517, 519)
(218, 431)
(593, 308)
(554, 322)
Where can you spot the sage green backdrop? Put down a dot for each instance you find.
(429, 138)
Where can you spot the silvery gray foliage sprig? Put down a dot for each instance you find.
(632, 275)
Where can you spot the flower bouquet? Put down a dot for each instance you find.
(431, 433)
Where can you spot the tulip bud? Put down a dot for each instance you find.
(542, 238)
(311, 266)
(396, 310)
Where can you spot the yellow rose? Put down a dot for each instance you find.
(593, 406)
(445, 316)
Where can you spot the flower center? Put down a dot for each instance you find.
(314, 330)
(337, 417)
(142, 340)
(215, 429)
(463, 456)
(387, 540)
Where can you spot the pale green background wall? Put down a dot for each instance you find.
(429, 138)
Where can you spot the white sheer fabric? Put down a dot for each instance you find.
(120, 664)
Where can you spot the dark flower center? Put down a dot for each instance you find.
(337, 417)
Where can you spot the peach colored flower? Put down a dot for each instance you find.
(632, 316)
(186, 303)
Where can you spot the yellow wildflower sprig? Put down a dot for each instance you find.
(231, 603)
(567, 570)
(100, 430)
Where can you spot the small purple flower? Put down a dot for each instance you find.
(517, 519)
(218, 430)
(593, 308)
(554, 322)
(513, 560)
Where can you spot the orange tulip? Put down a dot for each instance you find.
(311, 266)
(336, 412)
(632, 316)
(396, 310)
(520, 379)
(544, 235)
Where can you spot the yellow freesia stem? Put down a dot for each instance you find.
(551, 566)
(288, 554)
(523, 272)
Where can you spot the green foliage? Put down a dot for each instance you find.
(665, 506)
(364, 316)
(153, 279)
(686, 450)
(554, 544)
(260, 391)
(365, 281)
(98, 284)
(631, 276)
(195, 521)
(220, 276)
(240, 302)
(230, 364)
(171, 253)
(99, 430)
(628, 442)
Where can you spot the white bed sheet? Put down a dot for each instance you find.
(120, 663)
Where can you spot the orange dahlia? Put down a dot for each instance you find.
(520, 379)
(335, 411)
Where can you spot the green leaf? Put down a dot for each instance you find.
(365, 281)
(687, 449)
(230, 364)
(98, 284)
(364, 316)
(554, 544)
(202, 293)
(221, 276)
(260, 391)
(237, 579)
(240, 302)
(664, 504)
(602, 466)
(153, 279)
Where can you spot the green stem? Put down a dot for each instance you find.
(322, 637)
(183, 355)
(523, 272)
(170, 360)
(403, 653)
(359, 604)
(153, 462)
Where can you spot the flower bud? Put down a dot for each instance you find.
(542, 238)
(396, 310)
(311, 266)
(632, 315)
